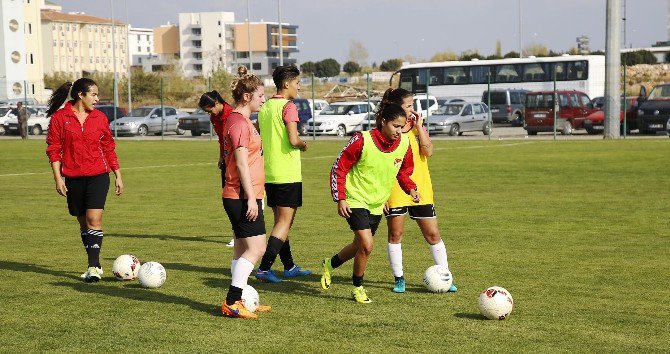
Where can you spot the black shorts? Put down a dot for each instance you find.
(86, 193)
(237, 214)
(426, 211)
(361, 219)
(284, 194)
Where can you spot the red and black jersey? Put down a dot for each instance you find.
(83, 150)
(352, 153)
(218, 121)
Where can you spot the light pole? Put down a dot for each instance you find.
(281, 44)
(251, 70)
(116, 98)
(130, 97)
(520, 40)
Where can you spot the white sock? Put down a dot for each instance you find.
(439, 252)
(395, 258)
(241, 272)
(232, 266)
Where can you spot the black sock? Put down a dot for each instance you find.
(271, 251)
(335, 261)
(234, 294)
(84, 237)
(93, 246)
(398, 278)
(358, 281)
(286, 256)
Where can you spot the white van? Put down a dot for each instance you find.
(317, 105)
(420, 104)
(339, 118)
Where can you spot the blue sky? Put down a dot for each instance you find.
(393, 28)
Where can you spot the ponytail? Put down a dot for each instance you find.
(83, 85)
(245, 83)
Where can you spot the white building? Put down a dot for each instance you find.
(15, 59)
(205, 42)
(140, 44)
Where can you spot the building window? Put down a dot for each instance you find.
(55, 43)
(139, 60)
(220, 46)
(242, 55)
(33, 85)
(219, 35)
(219, 23)
(197, 56)
(90, 45)
(75, 44)
(30, 28)
(197, 67)
(148, 38)
(256, 66)
(148, 49)
(90, 60)
(31, 58)
(139, 49)
(196, 44)
(139, 37)
(196, 31)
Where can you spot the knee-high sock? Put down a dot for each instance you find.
(241, 272)
(439, 252)
(93, 246)
(286, 256)
(271, 252)
(395, 258)
(232, 266)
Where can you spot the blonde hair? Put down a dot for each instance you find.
(245, 83)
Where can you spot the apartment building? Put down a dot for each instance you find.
(264, 45)
(140, 44)
(80, 44)
(205, 42)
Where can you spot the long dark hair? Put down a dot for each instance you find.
(57, 99)
(392, 96)
(210, 99)
(390, 112)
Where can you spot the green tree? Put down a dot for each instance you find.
(351, 67)
(391, 65)
(493, 56)
(308, 67)
(470, 54)
(638, 57)
(220, 81)
(444, 56)
(511, 54)
(145, 86)
(55, 80)
(327, 68)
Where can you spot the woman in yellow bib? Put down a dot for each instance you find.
(361, 180)
(399, 204)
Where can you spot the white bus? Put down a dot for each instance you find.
(469, 79)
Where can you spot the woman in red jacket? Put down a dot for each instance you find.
(81, 151)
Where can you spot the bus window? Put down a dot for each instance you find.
(406, 81)
(507, 73)
(436, 76)
(559, 71)
(455, 75)
(535, 72)
(577, 70)
(479, 74)
(421, 79)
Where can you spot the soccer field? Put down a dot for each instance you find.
(577, 231)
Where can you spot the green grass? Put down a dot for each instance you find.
(576, 231)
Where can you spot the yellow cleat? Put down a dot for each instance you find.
(327, 272)
(358, 293)
(237, 310)
(263, 308)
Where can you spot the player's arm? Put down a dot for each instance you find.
(291, 120)
(425, 144)
(338, 174)
(403, 176)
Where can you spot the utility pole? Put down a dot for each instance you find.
(130, 61)
(612, 69)
(281, 44)
(251, 69)
(520, 41)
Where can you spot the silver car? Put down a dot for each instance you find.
(148, 119)
(456, 118)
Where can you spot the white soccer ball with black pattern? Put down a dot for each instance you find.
(152, 275)
(437, 279)
(496, 303)
(126, 267)
(250, 298)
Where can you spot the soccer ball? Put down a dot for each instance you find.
(437, 279)
(151, 275)
(250, 298)
(495, 303)
(125, 267)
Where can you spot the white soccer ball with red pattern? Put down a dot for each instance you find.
(437, 279)
(496, 303)
(152, 275)
(126, 267)
(250, 298)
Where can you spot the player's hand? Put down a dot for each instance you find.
(418, 120)
(119, 186)
(60, 187)
(252, 210)
(386, 208)
(304, 148)
(415, 195)
(343, 208)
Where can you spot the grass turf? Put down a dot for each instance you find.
(576, 231)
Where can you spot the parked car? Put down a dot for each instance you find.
(304, 114)
(573, 107)
(598, 102)
(654, 111)
(420, 104)
(459, 117)
(29, 101)
(148, 119)
(368, 123)
(5, 115)
(197, 122)
(108, 110)
(38, 123)
(507, 105)
(318, 105)
(339, 118)
(595, 122)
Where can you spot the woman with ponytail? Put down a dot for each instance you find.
(218, 110)
(80, 148)
(244, 189)
(399, 204)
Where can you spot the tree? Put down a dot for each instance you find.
(327, 68)
(493, 56)
(55, 80)
(638, 57)
(536, 49)
(220, 81)
(444, 56)
(308, 67)
(470, 54)
(598, 52)
(357, 53)
(390, 65)
(351, 67)
(145, 86)
(498, 53)
(511, 54)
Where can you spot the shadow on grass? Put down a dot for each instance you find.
(471, 316)
(33, 268)
(135, 292)
(199, 269)
(311, 287)
(223, 239)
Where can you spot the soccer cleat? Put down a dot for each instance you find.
(399, 285)
(358, 293)
(92, 275)
(296, 271)
(237, 310)
(263, 308)
(327, 272)
(452, 288)
(267, 276)
(231, 243)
